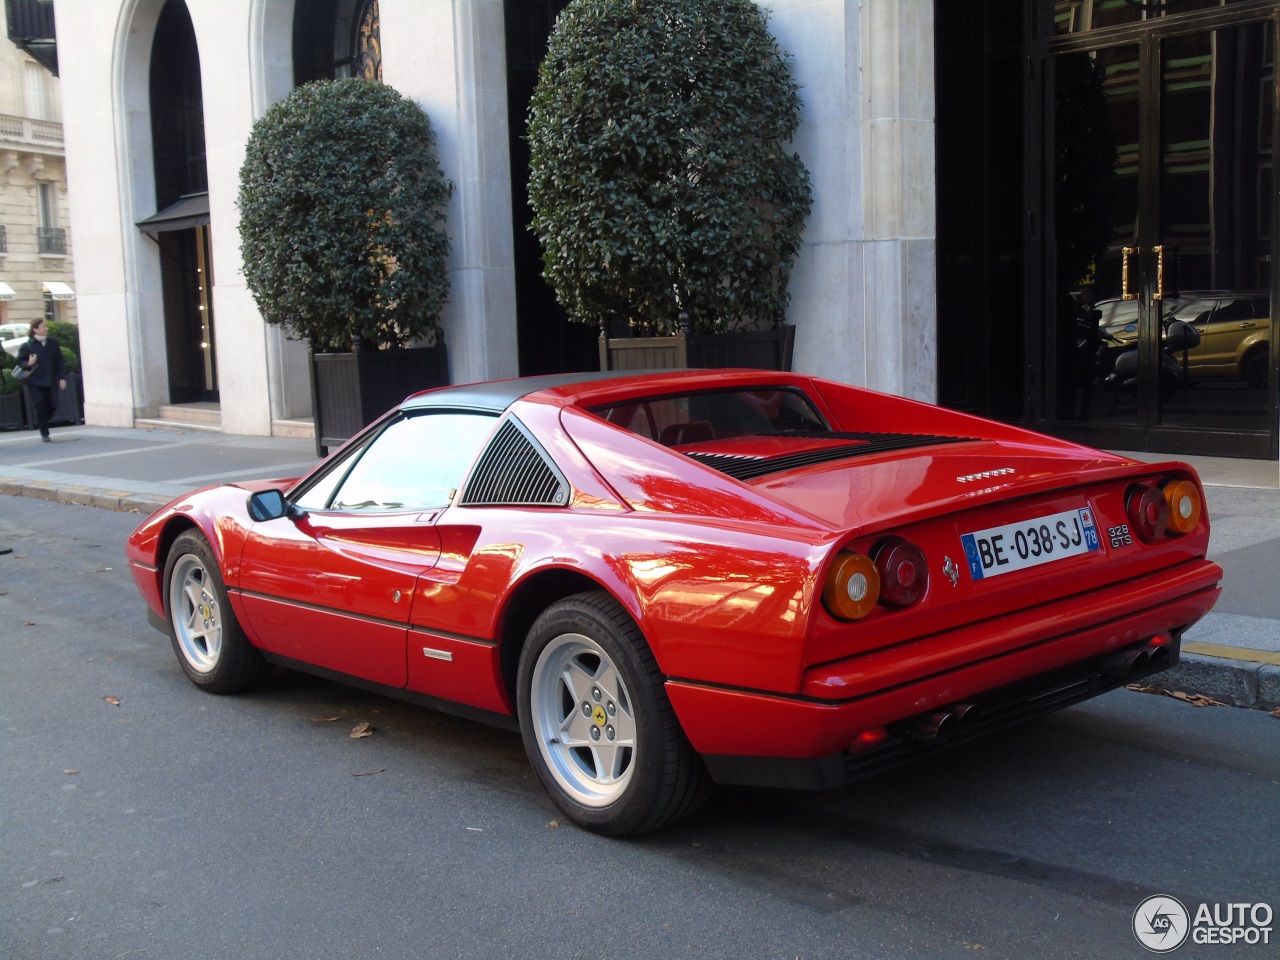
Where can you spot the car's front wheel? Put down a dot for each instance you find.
(597, 724)
(208, 639)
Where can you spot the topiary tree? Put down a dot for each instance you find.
(342, 208)
(660, 178)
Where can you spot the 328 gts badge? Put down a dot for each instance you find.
(1120, 536)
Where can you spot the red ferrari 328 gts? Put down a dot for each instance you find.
(669, 580)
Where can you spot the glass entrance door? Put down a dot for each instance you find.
(1160, 245)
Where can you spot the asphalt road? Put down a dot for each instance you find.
(175, 824)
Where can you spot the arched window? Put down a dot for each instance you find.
(368, 44)
(336, 38)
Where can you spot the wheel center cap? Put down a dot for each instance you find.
(598, 715)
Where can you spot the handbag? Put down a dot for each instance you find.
(21, 373)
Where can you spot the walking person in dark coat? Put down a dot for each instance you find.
(42, 355)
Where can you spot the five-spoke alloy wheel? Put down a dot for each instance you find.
(597, 724)
(211, 647)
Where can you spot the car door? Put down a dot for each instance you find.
(1218, 354)
(332, 584)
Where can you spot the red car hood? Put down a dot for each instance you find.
(862, 493)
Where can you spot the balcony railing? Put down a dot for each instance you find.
(45, 133)
(4, 240)
(51, 239)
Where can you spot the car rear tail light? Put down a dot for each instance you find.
(852, 588)
(1148, 512)
(904, 572)
(1185, 505)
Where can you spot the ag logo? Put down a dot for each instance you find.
(1161, 924)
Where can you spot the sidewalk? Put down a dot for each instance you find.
(1232, 656)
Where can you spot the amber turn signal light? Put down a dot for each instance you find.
(852, 587)
(1185, 505)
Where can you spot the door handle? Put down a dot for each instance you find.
(1167, 286)
(1127, 252)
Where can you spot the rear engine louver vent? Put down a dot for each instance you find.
(515, 472)
(866, 444)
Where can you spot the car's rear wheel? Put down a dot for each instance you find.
(597, 724)
(211, 646)
(1253, 371)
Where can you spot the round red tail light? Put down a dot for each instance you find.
(1148, 512)
(904, 572)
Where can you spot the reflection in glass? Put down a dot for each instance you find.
(1170, 323)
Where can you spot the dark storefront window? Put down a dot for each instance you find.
(1123, 296)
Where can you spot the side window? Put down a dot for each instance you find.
(415, 463)
(1196, 311)
(320, 491)
(1239, 308)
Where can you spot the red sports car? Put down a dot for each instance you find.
(668, 580)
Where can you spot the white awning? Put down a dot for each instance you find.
(57, 290)
(6, 291)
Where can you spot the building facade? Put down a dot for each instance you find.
(863, 290)
(36, 275)
(979, 170)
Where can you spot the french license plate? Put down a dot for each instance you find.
(1017, 546)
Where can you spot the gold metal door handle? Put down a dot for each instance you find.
(1159, 252)
(1124, 273)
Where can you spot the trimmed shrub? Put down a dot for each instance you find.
(660, 176)
(342, 209)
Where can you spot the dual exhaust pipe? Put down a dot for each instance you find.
(942, 725)
(1134, 662)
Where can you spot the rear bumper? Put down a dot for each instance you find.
(907, 740)
(1015, 666)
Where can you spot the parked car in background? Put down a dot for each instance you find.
(1234, 329)
(13, 336)
(668, 580)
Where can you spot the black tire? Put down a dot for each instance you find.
(210, 644)
(597, 724)
(1253, 370)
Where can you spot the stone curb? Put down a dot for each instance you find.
(119, 500)
(1238, 683)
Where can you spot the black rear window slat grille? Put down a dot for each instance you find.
(513, 471)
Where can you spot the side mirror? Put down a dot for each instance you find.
(270, 505)
(1181, 336)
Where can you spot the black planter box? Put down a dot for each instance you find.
(351, 390)
(11, 412)
(70, 404)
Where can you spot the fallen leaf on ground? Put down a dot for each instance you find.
(370, 773)
(555, 823)
(29, 623)
(323, 719)
(114, 701)
(70, 771)
(1276, 713)
(1195, 699)
(361, 730)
